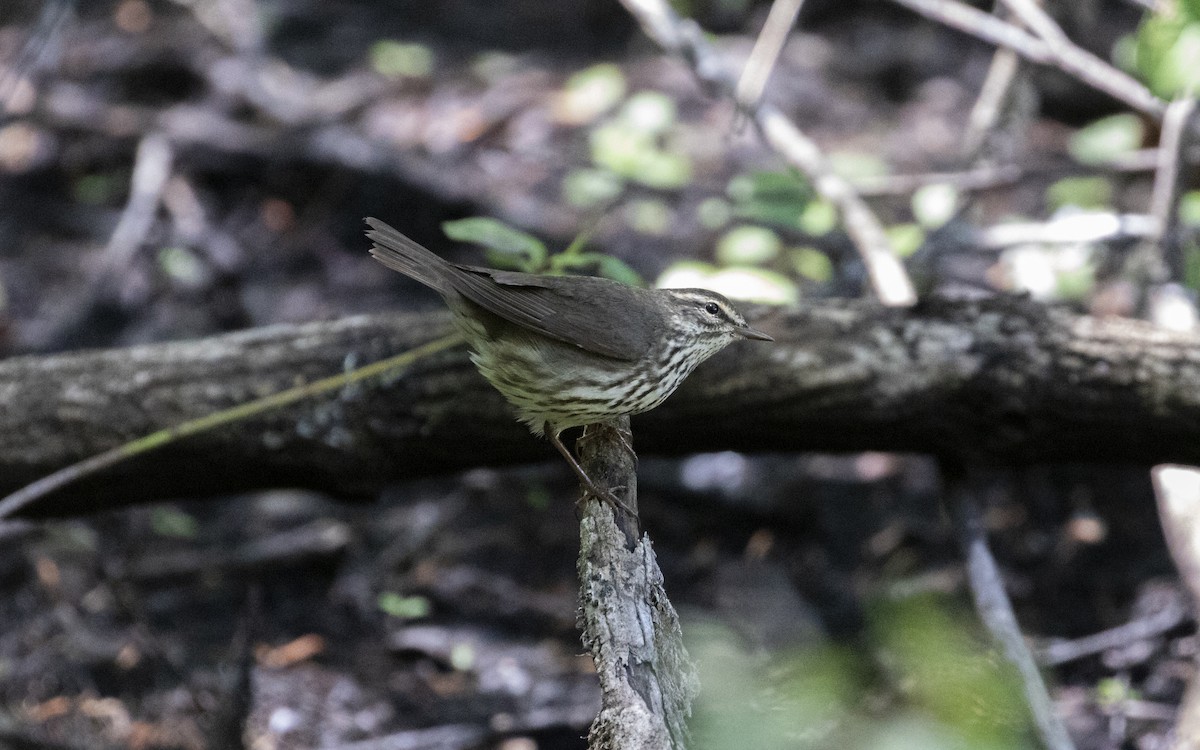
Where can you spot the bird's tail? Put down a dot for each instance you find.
(402, 254)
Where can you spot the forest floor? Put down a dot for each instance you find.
(823, 596)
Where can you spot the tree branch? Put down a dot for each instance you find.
(998, 381)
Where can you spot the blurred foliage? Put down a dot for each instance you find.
(404, 607)
(777, 198)
(1114, 691)
(858, 165)
(1165, 50)
(1189, 208)
(1191, 266)
(172, 522)
(395, 59)
(1080, 192)
(590, 93)
(1107, 138)
(648, 216)
(100, 189)
(1049, 272)
(714, 213)
(905, 238)
(818, 218)
(748, 245)
(506, 247)
(183, 266)
(737, 282)
(634, 143)
(811, 263)
(923, 680)
(590, 188)
(514, 250)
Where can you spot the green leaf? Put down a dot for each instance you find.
(648, 216)
(462, 656)
(401, 60)
(1083, 192)
(590, 93)
(618, 270)
(181, 264)
(714, 213)
(168, 521)
(97, 189)
(407, 607)
(748, 245)
(1189, 208)
(818, 218)
(905, 238)
(858, 164)
(1191, 266)
(511, 247)
(948, 671)
(586, 188)
(1180, 70)
(1107, 138)
(769, 197)
(775, 186)
(608, 266)
(1111, 691)
(1076, 283)
(1167, 53)
(634, 154)
(811, 263)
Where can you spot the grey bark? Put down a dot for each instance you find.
(996, 381)
(647, 681)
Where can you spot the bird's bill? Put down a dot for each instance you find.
(750, 333)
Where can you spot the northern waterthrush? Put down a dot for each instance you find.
(569, 351)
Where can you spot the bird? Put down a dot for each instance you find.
(570, 351)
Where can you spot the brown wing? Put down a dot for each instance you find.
(598, 315)
(580, 311)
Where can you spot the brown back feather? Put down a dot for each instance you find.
(582, 311)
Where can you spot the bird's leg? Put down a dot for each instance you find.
(584, 479)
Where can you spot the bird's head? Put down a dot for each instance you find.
(709, 320)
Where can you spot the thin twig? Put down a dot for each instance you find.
(151, 168)
(36, 49)
(995, 609)
(1176, 137)
(1171, 615)
(980, 178)
(993, 94)
(1061, 53)
(889, 280)
(766, 51)
(1037, 20)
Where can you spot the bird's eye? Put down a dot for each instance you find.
(711, 308)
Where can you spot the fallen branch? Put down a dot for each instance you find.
(994, 381)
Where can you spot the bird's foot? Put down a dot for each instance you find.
(624, 438)
(590, 486)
